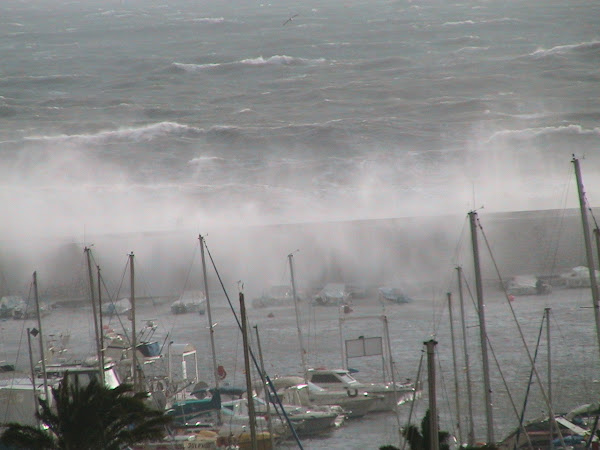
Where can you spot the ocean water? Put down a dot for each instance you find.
(121, 117)
(128, 115)
(573, 346)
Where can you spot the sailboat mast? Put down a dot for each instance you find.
(88, 255)
(456, 386)
(482, 331)
(134, 363)
(265, 387)
(302, 352)
(588, 248)
(32, 369)
(391, 361)
(209, 315)
(100, 320)
(246, 345)
(433, 417)
(39, 321)
(547, 311)
(471, 432)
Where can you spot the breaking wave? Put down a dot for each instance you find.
(479, 22)
(531, 133)
(139, 134)
(209, 20)
(563, 49)
(277, 60)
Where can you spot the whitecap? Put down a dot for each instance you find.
(530, 133)
(134, 134)
(186, 67)
(279, 60)
(211, 20)
(562, 49)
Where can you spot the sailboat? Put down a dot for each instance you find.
(382, 396)
(577, 428)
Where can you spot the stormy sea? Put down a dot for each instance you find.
(319, 129)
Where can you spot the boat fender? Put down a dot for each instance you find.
(352, 393)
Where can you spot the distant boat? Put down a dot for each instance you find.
(333, 294)
(14, 307)
(8, 304)
(117, 308)
(393, 294)
(276, 295)
(578, 277)
(189, 302)
(527, 285)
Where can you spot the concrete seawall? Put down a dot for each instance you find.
(423, 250)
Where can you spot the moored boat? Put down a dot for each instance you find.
(388, 395)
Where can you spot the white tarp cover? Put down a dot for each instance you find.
(364, 347)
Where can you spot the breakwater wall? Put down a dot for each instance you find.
(401, 251)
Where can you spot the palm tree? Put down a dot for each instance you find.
(419, 440)
(93, 417)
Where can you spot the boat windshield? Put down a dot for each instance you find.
(313, 387)
(347, 378)
(111, 379)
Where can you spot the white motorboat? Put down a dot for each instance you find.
(306, 417)
(388, 395)
(353, 405)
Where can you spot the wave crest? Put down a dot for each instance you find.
(276, 60)
(531, 133)
(132, 134)
(562, 49)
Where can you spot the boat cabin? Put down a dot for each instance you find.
(331, 378)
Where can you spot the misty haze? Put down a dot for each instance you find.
(356, 136)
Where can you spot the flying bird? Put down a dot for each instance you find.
(290, 19)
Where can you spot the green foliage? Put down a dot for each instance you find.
(89, 418)
(420, 439)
